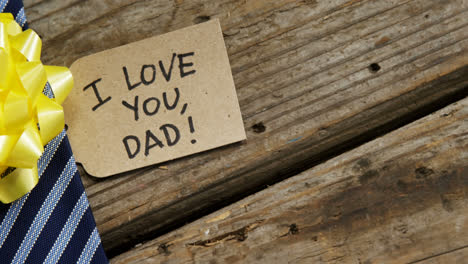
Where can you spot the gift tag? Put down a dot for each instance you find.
(152, 101)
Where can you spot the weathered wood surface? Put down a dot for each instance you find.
(402, 198)
(302, 74)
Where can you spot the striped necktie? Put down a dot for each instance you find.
(53, 223)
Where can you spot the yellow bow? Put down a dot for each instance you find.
(28, 118)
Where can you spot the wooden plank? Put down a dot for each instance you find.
(305, 88)
(401, 198)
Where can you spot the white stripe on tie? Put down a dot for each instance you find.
(68, 230)
(3, 4)
(90, 248)
(21, 17)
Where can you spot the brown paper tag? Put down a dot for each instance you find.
(153, 100)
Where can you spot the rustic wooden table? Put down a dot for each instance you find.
(357, 148)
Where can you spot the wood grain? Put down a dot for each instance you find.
(304, 83)
(398, 199)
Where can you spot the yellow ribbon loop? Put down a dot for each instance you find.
(28, 118)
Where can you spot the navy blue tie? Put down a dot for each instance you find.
(53, 223)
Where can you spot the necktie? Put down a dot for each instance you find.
(53, 223)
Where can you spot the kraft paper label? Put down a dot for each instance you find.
(152, 101)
